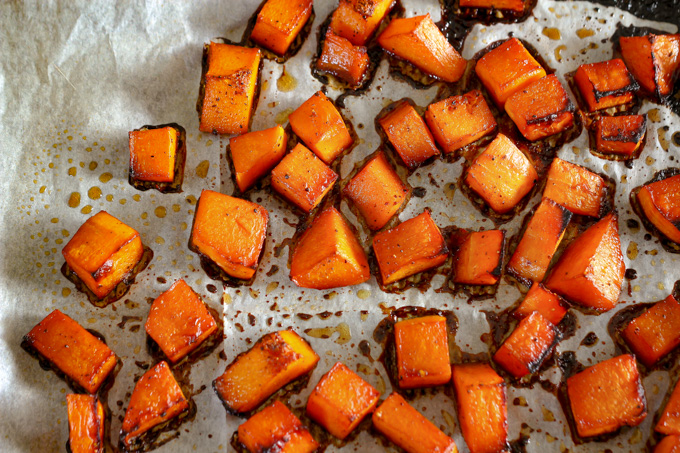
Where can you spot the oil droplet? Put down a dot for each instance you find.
(136, 197)
(160, 212)
(226, 298)
(176, 207)
(271, 287)
(650, 160)
(632, 251)
(552, 33)
(94, 193)
(584, 33)
(183, 226)
(363, 294)
(144, 215)
(558, 52)
(450, 190)
(122, 201)
(54, 220)
(86, 209)
(93, 166)
(42, 189)
(282, 116)
(74, 200)
(286, 82)
(663, 140)
(344, 334)
(72, 171)
(202, 169)
(636, 438)
(109, 197)
(654, 115)
(548, 416)
(65, 292)
(191, 200)
(160, 240)
(105, 177)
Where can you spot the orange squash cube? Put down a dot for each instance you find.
(620, 135)
(478, 256)
(279, 22)
(341, 400)
(302, 178)
(328, 254)
(508, 69)
(502, 175)
(356, 20)
(320, 126)
(157, 156)
(576, 188)
(509, 5)
(605, 84)
(607, 396)
(343, 60)
(254, 154)
(419, 41)
(229, 232)
(228, 88)
(543, 301)
(653, 60)
(276, 428)
(660, 204)
(377, 191)
(179, 321)
(409, 429)
(85, 424)
(275, 360)
(669, 444)
(458, 121)
(413, 246)
(669, 423)
(422, 347)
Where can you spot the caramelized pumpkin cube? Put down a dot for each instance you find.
(157, 155)
(478, 257)
(620, 135)
(669, 444)
(543, 301)
(409, 429)
(605, 84)
(422, 347)
(275, 360)
(669, 423)
(85, 424)
(279, 22)
(230, 232)
(509, 5)
(653, 60)
(419, 41)
(660, 203)
(276, 428)
(254, 154)
(413, 246)
(328, 254)
(343, 60)
(356, 20)
(576, 188)
(607, 396)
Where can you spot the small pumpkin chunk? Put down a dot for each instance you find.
(576, 188)
(343, 60)
(543, 301)
(669, 423)
(458, 121)
(482, 407)
(341, 400)
(157, 155)
(422, 347)
(605, 84)
(419, 41)
(230, 232)
(254, 154)
(279, 22)
(356, 20)
(85, 424)
(478, 256)
(276, 428)
(408, 134)
(413, 246)
(620, 135)
(502, 175)
(409, 429)
(275, 360)
(509, 5)
(328, 254)
(669, 444)
(607, 396)
(653, 60)
(660, 203)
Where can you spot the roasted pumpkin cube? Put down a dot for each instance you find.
(478, 257)
(482, 407)
(539, 242)
(653, 60)
(620, 135)
(654, 333)
(507, 69)
(328, 254)
(605, 84)
(275, 360)
(279, 22)
(660, 203)
(509, 5)
(607, 396)
(502, 175)
(229, 86)
(85, 424)
(419, 41)
(156, 399)
(356, 20)
(413, 246)
(254, 154)
(230, 232)
(302, 178)
(72, 350)
(422, 347)
(320, 126)
(179, 321)
(576, 188)
(343, 60)
(541, 109)
(669, 444)
(543, 301)
(341, 400)
(377, 191)
(276, 428)
(458, 121)
(409, 429)
(157, 156)
(103, 252)
(669, 423)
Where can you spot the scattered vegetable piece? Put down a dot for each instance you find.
(477, 256)
(356, 20)
(605, 84)
(343, 60)
(653, 60)
(422, 348)
(254, 154)
(157, 155)
(576, 188)
(669, 423)
(669, 444)
(85, 424)
(620, 135)
(543, 301)
(660, 204)
(279, 22)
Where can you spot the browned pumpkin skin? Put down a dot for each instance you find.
(279, 22)
(605, 84)
(653, 60)
(356, 21)
(276, 428)
(660, 204)
(620, 135)
(343, 60)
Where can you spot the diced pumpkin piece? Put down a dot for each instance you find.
(343, 60)
(541, 109)
(408, 134)
(510, 5)
(356, 20)
(419, 41)
(654, 333)
(502, 175)
(478, 257)
(341, 400)
(71, 349)
(85, 424)
(669, 423)
(229, 88)
(276, 428)
(302, 178)
(377, 191)
(422, 347)
(607, 396)
(328, 254)
(275, 360)
(576, 188)
(179, 321)
(507, 69)
(590, 271)
(320, 126)
(458, 121)
(156, 399)
(413, 246)
(660, 203)
(254, 154)
(620, 135)
(157, 155)
(482, 407)
(103, 252)
(653, 60)
(230, 232)
(543, 301)
(409, 429)
(539, 242)
(279, 22)
(669, 444)
(605, 84)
